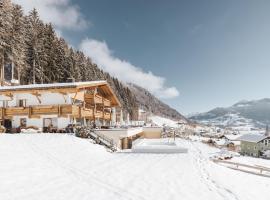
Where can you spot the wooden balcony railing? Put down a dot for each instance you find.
(96, 99)
(35, 111)
(60, 110)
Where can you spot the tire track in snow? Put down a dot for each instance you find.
(200, 160)
(151, 165)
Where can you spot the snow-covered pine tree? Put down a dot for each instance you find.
(35, 49)
(60, 50)
(17, 41)
(81, 66)
(49, 55)
(5, 34)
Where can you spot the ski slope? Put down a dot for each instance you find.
(63, 167)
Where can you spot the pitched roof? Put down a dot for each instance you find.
(252, 138)
(103, 85)
(53, 85)
(232, 137)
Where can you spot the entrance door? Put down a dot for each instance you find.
(8, 125)
(129, 143)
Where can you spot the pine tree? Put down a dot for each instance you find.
(60, 49)
(50, 45)
(17, 41)
(5, 31)
(35, 48)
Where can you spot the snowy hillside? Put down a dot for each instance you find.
(61, 167)
(152, 104)
(242, 116)
(160, 121)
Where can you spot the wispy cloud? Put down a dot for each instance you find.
(124, 70)
(63, 14)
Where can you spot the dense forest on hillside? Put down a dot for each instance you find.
(41, 57)
(149, 102)
(32, 47)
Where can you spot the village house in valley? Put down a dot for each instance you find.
(254, 145)
(55, 106)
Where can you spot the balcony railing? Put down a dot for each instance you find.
(60, 110)
(96, 99)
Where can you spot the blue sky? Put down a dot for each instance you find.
(200, 54)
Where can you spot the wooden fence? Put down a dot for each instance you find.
(256, 169)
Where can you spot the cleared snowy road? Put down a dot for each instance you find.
(52, 166)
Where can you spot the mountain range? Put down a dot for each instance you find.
(253, 114)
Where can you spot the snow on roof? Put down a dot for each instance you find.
(221, 142)
(52, 85)
(236, 143)
(232, 137)
(252, 138)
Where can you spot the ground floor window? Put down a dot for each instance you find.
(23, 122)
(50, 125)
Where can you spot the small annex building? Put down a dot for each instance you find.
(56, 105)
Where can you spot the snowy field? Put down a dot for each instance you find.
(63, 167)
(160, 121)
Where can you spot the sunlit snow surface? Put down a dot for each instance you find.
(160, 121)
(63, 167)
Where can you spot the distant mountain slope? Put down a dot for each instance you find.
(244, 113)
(152, 104)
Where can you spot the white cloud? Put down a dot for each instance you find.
(65, 15)
(61, 13)
(125, 71)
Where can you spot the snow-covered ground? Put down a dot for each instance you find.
(63, 167)
(160, 121)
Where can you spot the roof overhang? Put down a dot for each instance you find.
(103, 86)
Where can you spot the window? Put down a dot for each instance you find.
(23, 122)
(265, 142)
(50, 122)
(22, 103)
(4, 103)
(255, 147)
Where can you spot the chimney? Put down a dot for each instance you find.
(71, 80)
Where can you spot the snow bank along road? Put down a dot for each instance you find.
(63, 167)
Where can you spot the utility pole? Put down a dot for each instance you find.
(267, 130)
(2, 69)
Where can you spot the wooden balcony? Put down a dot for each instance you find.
(96, 99)
(88, 113)
(59, 110)
(106, 102)
(35, 111)
(107, 116)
